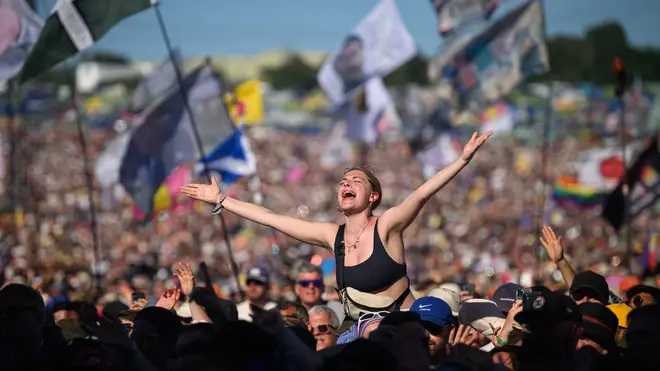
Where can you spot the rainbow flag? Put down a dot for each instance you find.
(570, 193)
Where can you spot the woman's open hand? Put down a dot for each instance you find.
(209, 193)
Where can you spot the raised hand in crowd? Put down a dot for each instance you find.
(474, 144)
(552, 244)
(169, 299)
(555, 250)
(184, 273)
(209, 193)
(505, 333)
(462, 335)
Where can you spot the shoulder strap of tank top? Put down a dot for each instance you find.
(339, 256)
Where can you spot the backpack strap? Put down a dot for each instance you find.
(339, 256)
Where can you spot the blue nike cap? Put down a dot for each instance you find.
(433, 310)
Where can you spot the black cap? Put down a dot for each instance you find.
(594, 282)
(600, 324)
(505, 296)
(549, 308)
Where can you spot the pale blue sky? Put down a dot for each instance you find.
(217, 27)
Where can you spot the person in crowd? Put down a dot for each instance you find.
(257, 281)
(371, 247)
(309, 285)
(590, 287)
(484, 317)
(642, 295)
(439, 323)
(323, 324)
(621, 311)
(22, 321)
(295, 310)
(599, 326)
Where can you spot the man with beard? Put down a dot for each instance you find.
(437, 320)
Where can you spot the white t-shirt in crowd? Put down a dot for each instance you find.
(244, 312)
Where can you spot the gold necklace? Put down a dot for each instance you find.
(354, 245)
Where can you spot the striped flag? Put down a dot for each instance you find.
(73, 26)
(19, 30)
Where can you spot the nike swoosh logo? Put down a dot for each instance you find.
(425, 306)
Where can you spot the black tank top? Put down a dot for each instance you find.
(379, 271)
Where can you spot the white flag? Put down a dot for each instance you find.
(362, 126)
(19, 30)
(377, 46)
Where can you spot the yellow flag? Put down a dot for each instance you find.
(249, 93)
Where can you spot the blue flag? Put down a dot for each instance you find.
(166, 139)
(232, 159)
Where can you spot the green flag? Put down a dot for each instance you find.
(73, 26)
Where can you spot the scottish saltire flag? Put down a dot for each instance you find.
(453, 14)
(377, 46)
(367, 111)
(19, 30)
(481, 68)
(164, 137)
(73, 26)
(232, 159)
(161, 80)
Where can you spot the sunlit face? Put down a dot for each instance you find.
(355, 193)
(309, 288)
(320, 327)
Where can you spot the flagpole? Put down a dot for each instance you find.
(89, 183)
(620, 90)
(548, 117)
(198, 138)
(11, 181)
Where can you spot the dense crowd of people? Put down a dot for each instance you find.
(487, 296)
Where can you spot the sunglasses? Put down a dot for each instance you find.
(322, 329)
(581, 294)
(367, 317)
(255, 282)
(306, 283)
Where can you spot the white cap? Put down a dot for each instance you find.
(450, 297)
(451, 287)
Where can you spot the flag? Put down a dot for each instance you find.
(485, 66)
(159, 82)
(453, 14)
(231, 159)
(19, 30)
(497, 118)
(649, 256)
(642, 181)
(165, 137)
(569, 193)
(73, 26)
(109, 162)
(364, 115)
(168, 197)
(249, 96)
(377, 46)
(437, 123)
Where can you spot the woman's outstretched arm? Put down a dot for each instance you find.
(398, 218)
(318, 234)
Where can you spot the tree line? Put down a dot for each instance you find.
(572, 59)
